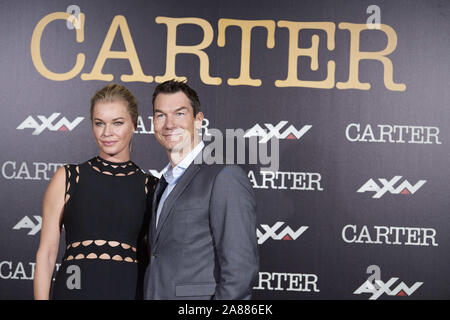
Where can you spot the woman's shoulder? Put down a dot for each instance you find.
(150, 179)
(72, 170)
(150, 184)
(73, 167)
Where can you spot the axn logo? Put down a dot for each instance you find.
(275, 233)
(404, 187)
(44, 122)
(375, 286)
(27, 223)
(379, 288)
(275, 131)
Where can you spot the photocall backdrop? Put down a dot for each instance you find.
(357, 92)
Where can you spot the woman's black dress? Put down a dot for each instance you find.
(106, 218)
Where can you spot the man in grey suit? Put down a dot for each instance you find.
(203, 228)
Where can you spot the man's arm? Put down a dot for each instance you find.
(233, 224)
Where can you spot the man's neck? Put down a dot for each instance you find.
(175, 157)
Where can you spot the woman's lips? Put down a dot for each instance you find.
(108, 143)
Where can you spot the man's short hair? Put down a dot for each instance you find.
(173, 86)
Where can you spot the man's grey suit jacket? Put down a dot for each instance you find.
(205, 245)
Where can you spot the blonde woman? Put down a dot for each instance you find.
(103, 206)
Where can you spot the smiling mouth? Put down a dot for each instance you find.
(108, 143)
(172, 137)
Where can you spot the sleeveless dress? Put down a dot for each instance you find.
(106, 217)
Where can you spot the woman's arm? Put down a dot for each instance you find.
(52, 209)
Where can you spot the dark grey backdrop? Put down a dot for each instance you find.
(333, 267)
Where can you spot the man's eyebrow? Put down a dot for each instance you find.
(178, 109)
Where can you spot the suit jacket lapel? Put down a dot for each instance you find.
(173, 196)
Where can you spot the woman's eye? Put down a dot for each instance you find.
(98, 124)
(118, 123)
(180, 114)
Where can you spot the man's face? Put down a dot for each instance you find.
(174, 122)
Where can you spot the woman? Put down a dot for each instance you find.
(102, 204)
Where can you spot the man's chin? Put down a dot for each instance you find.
(178, 148)
(174, 149)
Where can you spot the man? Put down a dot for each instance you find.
(203, 229)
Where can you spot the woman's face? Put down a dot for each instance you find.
(113, 130)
